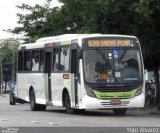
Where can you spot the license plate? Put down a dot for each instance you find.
(115, 102)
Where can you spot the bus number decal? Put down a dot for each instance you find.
(110, 43)
(104, 76)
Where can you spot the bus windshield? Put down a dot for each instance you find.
(112, 66)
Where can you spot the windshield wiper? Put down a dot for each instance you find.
(122, 56)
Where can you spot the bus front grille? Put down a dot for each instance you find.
(114, 89)
(108, 104)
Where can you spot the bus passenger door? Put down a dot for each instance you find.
(48, 58)
(74, 71)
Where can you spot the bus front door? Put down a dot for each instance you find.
(74, 70)
(48, 56)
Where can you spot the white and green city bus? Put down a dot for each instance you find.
(82, 71)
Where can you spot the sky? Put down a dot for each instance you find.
(8, 11)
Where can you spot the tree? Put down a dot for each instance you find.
(34, 23)
(8, 49)
(148, 30)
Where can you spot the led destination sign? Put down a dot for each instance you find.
(110, 43)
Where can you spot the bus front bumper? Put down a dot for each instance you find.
(94, 103)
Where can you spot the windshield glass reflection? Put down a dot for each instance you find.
(112, 66)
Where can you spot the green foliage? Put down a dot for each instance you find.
(6, 55)
(77, 16)
(34, 21)
(149, 31)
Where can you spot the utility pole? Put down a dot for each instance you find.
(1, 77)
(1, 72)
(13, 65)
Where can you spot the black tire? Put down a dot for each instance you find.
(34, 106)
(41, 107)
(69, 110)
(12, 98)
(121, 111)
(81, 111)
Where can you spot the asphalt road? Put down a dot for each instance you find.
(54, 118)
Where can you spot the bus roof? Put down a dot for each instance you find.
(64, 39)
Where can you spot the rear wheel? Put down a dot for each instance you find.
(41, 107)
(120, 111)
(69, 110)
(34, 106)
(12, 98)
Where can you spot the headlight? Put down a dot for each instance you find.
(139, 90)
(89, 91)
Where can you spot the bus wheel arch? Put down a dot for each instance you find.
(67, 102)
(34, 106)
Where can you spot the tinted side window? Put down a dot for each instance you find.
(41, 60)
(20, 61)
(55, 60)
(35, 60)
(67, 58)
(27, 60)
(64, 59)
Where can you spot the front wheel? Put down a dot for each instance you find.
(69, 110)
(120, 111)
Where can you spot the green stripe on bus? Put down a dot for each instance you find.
(65, 42)
(113, 95)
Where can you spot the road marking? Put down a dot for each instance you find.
(53, 124)
(34, 122)
(4, 120)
